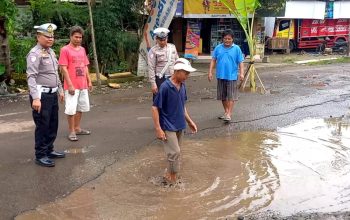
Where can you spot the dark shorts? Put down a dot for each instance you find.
(227, 90)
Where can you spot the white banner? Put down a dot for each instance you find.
(161, 14)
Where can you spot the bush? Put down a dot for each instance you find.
(19, 50)
(116, 23)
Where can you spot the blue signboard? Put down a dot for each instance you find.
(329, 10)
(180, 8)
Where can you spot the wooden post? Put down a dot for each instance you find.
(94, 46)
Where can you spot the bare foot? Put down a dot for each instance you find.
(170, 178)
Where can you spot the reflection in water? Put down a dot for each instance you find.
(313, 163)
(304, 167)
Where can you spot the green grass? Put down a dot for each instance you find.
(289, 60)
(327, 62)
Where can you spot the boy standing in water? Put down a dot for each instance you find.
(170, 115)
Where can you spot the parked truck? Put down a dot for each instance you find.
(309, 33)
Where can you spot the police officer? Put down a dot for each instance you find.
(161, 59)
(45, 89)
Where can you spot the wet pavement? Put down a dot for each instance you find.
(304, 167)
(283, 155)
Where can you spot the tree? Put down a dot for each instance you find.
(117, 25)
(244, 11)
(8, 13)
(271, 8)
(63, 14)
(97, 69)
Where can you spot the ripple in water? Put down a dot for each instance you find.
(304, 167)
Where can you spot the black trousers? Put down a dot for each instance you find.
(46, 124)
(159, 82)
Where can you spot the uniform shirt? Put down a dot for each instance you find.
(76, 62)
(42, 69)
(171, 106)
(158, 58)
(227, 61)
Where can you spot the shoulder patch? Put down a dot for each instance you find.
(32, 58)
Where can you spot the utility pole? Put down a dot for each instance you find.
(94, 47)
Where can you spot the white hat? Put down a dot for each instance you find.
(183, 64)
(161, 32)
(47, 28)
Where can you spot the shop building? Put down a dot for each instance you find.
(198, 26)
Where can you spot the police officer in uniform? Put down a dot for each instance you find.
(45, 90)
(161, 59)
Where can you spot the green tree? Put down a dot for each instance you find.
(117, 24)
(271, 8)
(63, 14)
(8, 13)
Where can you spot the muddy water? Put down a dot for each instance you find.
(304, 167)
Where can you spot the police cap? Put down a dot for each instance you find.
(161, 32)
(46, 29)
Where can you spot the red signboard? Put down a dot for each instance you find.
(321, 28)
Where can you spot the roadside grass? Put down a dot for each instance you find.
(289, 60)
(327, 62)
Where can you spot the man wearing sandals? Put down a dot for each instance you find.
(77, 84)
(170, 115)
(45, 88)
(228, 59)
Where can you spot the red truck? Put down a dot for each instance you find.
(311, 33)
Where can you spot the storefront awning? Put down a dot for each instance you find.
(305, 9)
(341, 10)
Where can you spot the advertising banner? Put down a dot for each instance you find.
(192, 40)
(206, 9)
(180, 8)
(161, 14)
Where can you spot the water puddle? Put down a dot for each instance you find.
(77, 150)
(301, 168)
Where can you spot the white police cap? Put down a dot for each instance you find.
(46, 29)
(161, 32)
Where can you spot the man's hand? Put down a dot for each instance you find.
(210, 76)
(160, 134)
(61, 97)
(241, 76)
(154, 89)
(71, 90)
(36, 105)
(91, 88)
(193, 127)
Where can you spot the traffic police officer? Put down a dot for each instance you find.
(161, 59)
(45, 87)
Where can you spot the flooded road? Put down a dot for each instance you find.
(301, 168)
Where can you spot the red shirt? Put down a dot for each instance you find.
(76, 61)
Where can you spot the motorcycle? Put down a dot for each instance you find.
(340, 47)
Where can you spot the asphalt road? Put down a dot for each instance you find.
(120, 121)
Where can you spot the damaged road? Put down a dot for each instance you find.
(122, 129)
